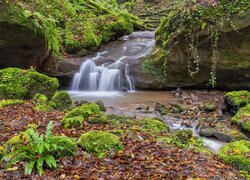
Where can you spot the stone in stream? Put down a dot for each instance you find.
(177, 108)
(210, 107)
(221, 132)
(162, 109)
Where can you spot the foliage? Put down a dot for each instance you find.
(23, 84)
(2, 152)
(73, 25)
(237, 154)
(100, 143)
(44, 108)
(242, 118)
(61, 101)
(4, 103)
(152, 124)
(84, 111)
(75, 121)
(188, 19)
(38, 149)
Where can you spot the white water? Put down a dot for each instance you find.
(102, 78)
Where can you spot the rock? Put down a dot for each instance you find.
(221, 132)
(186, 123)
(236, 99)
(184, 135)
(162, 109)
(236, 154)
(242, 118)
(178, 108)
(61, 101)
(210, 107)
(101, 105)
(205, 130)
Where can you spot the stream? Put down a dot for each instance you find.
(106, 77)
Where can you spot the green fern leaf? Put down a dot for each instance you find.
(28, 168)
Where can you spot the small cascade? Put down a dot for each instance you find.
(102, 78)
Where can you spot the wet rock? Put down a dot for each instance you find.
(242, 118)
(184, 135)
(101, 105)
(210, 107)
(221, 132)
(186, 123)
(178, 108)
(162, 109)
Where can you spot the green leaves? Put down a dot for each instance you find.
(39, 165)
(50, 160)
(28, 168)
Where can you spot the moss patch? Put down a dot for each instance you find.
(61, 101)
(236, 99)
(24, 84)
(242, 118)
(100, 143)
(75, 121)
(237, 154)
(98, 119)
(152, 124)
(40, 99)
(4, 103)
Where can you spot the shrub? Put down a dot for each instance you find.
(237, 154)
(24, 84)
(61, 101)
(4, 103)
(100, 143)
(38, 149)
(75, 121)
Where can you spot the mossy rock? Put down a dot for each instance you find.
(75, 121)
(101, 143)
(4, 103)
(236, 153)
(24, 84)
(236, 99)
(210, 107)
(115, 119)
(242, 118)
(98, 120)
(40, 99)
(152, 124)
(84, 111)
(178, 108)
(70, 147)
(162, 109)
(184, 135)
(61, 101)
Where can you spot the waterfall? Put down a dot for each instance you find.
(102, 78)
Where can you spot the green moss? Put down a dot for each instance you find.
(75, 121)
(61, 101)
(70, 147)
(184, 135)
(242, 118)
(24, 84)
(237, 154)
(210, 107)
(40, 99)
(152, 124)
(44, 108)
(98, 119)
(84, 111)
(162, 109)
(237, 99)
(4, 103)
(100, 143)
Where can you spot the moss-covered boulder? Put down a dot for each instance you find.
(24, 84)
(4, 103)
(152, 124)
(61, 101)
(70, 147)
(236, 153)
(242, 118)
(40, 99)
(162, 109)
(98, 119)
(236, 99)
(101, 143)
(183, 135)
(210, 107)
(84, 111)
(75, 121)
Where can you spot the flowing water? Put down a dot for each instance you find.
(106, 75)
